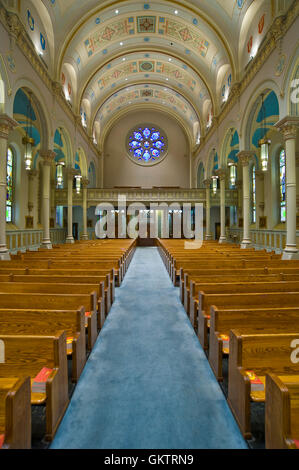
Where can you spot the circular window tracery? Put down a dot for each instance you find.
(147, 145)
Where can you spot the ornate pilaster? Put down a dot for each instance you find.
(244, 158)
(48, 157)
(85, 183)
(288, 127)
(71, 172)
(7, 124)
(207, 184)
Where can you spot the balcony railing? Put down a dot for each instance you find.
(146, 196)
(271, 240)
(24, 240)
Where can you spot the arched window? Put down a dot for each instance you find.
(282, 185)
(9, 185)
(253, 198)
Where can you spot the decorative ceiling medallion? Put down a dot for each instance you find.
(146, 144)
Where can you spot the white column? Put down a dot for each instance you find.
(85, 183)
(71, 172)
(260, 203)
(222, 173)
(53, 201)
(48, 158)
(244, 158)
(6, 126)
(32, 195)
(288, 127)
(207, 184)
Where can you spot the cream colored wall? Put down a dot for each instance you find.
(119, 170)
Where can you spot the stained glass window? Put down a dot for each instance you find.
(9, 185)
(282, 185)
(253, 195)
(146, 144)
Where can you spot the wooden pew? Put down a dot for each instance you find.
(46, 323)
(282, 412)
(56, 302)
(106, 285)
(18, 275)
(190, 284)
(236, 288)
(29, 356)
(251, 358)
(83, 266)
(51, 288)
(239, 301)
(247, 320)
(15, 413)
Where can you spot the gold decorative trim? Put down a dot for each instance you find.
(278, 29)
(181, 4)
(26, 47)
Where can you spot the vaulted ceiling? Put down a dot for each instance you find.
(182, 55)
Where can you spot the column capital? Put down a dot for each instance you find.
(85, 182)
(244, 156)
(48, 156)
(207, 182)
(221, 173)
(288, 127)
(71, 172)
(32, 174)
(7, 124)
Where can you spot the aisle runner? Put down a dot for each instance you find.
(147, 383)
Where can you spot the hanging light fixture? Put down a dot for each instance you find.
(214, 184)
(60, 166)
(28, 140)
(232, 173)
(78, 183)
(264, 143)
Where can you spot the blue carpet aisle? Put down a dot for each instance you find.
(147, 383)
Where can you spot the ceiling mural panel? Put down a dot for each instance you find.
(190, 46)
(143, 94)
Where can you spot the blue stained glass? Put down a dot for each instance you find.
(282, 177)
(155, 153)
(155, 136)
(134, 144)
(146, 144)
(146, 133)
(138, 136)
(138, 153)
(159, 144)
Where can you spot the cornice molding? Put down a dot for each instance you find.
(277, 31)
(15, 28)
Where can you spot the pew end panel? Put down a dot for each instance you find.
(282, 411)
(203, 318)
(238, 386)
(182, 284)
(57, 388)
(17, 408)
(215, 352)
